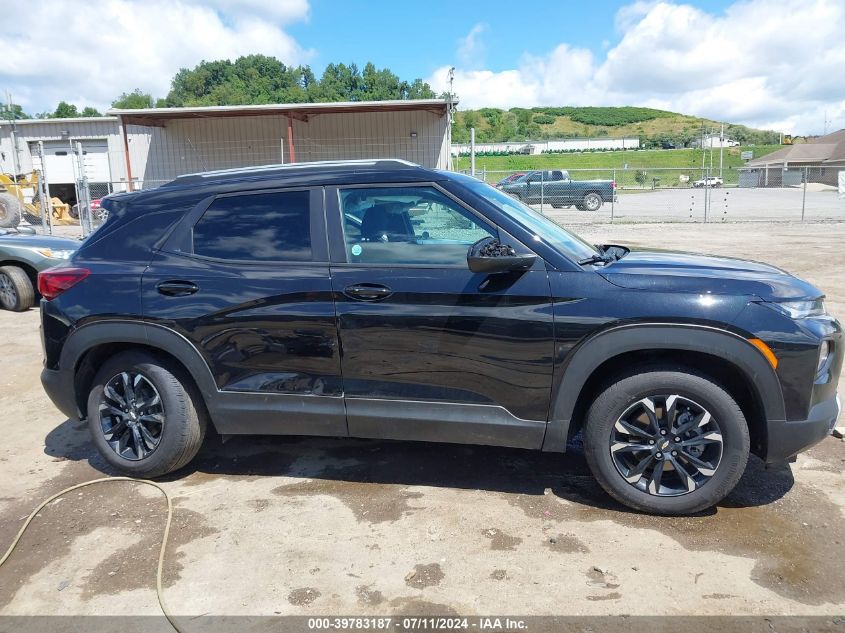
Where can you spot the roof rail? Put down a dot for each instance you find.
(379, 163)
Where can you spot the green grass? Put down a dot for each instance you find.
(667, 166)
(641, 159)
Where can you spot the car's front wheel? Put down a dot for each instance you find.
(667, 442)
(145, 416)
(16, 291)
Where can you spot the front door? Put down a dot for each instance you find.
(245, 279)
(431, 350)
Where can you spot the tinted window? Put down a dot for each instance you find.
(260, 227)
(408, 225)
(542, 227)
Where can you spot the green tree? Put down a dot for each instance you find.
(65, 110)
(641, 177)
(133, 100)
(258, 79)
(15, 112)
(88, 111)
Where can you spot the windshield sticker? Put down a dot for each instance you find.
(357, 250)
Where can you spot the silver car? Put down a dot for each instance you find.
(23, 255)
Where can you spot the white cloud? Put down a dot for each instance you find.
(88, 53)
(471, 48)
(775, 63)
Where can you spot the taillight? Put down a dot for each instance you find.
(54, 281)
(613, 184)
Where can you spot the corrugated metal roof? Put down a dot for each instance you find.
(301, 111)
(86, 119)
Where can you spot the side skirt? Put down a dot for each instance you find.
(487, 425)
(237, 413)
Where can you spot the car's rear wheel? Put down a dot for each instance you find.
(592, 201)
(16, 291)
(668, 442)
(145, 416)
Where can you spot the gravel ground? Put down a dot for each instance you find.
(336, 526)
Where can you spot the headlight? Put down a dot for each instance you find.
(50, 253)
(798, 309)
(824, 356)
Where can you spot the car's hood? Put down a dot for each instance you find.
(668, 271)
(40, 241)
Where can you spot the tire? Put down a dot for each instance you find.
(16, 291)
(607, 440)
(181, 431)
(592, 201)
(10, 211)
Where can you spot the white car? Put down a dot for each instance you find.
(710, 181)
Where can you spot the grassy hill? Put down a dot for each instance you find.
(652, 127)
(667, 165)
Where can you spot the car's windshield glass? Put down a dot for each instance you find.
(545, 229)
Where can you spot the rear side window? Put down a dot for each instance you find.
(256, 227)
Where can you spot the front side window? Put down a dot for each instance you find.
(256, 227)
(408, 225)
(542, 227)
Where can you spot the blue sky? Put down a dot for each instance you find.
(414, 38)
(774, 64)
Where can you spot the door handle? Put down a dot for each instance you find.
(177, 288)
(367, 292)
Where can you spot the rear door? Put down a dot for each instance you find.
(431, 350)
(245, 278)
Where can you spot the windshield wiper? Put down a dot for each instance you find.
(596, 259)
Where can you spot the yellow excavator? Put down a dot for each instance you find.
(13, 204)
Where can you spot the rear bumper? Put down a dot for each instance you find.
(787, 439)
(58, 385)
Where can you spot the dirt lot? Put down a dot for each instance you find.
(325, 526)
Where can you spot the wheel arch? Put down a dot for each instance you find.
(727, 357)
(88, 346)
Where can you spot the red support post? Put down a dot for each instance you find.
(291, 150)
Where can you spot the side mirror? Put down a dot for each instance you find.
(490, 256)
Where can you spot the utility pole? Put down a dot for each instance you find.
(721, 149)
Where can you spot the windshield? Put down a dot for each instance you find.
(543, 228)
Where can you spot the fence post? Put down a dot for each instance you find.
(613, 196)
(472, 152)
(46, 205)
(83, 195)
(804, 195)
(542, 190)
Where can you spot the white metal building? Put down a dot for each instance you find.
(143, 148)
(539, 147)
(101, 145)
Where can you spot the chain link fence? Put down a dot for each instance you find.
(577, 196)
(630, 194)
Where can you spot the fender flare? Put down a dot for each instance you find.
(589, 355)
(88, 336)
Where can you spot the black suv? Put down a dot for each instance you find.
(380, 299)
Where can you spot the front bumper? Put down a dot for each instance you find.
(787, 439)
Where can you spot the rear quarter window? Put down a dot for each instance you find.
(256, 227)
